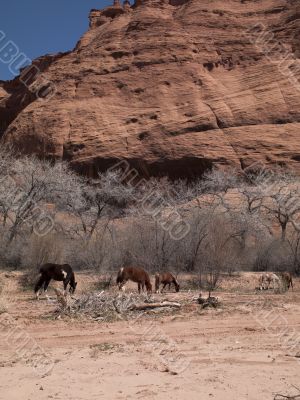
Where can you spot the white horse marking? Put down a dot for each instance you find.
(64, 273)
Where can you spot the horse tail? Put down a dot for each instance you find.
(120, 276)
(177, 286)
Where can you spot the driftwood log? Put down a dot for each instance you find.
(150, 306)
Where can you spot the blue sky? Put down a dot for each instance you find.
(38, 27)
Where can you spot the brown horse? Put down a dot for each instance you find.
(287, 280)
(134, 274)
(165, 279)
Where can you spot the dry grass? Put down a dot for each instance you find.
(97, 349)
(28, 280)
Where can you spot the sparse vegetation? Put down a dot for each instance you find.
(97, 349)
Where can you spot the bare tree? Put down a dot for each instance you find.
(36, 183)
(106, 197)
(294, 244)
(220, 181)
(282, 201)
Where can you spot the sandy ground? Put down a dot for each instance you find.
(245, 350)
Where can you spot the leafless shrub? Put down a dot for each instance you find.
(273, 255)
(39, 251)
(294, 246)
(11, 256)
(236, 220)
(104, 282)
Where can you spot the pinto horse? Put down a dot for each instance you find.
(134, 274)
(165, 279)
(57, 272)
(266, 279)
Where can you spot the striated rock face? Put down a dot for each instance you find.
(172, 86)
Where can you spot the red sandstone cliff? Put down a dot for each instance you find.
(171, 86)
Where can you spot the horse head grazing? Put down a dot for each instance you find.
(134, 274)
(165, 279)
(73, 286)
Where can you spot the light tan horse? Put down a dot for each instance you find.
(266, 279)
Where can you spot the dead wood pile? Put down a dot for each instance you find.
(106, 306)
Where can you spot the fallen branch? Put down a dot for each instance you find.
(282, 396)
(209, 302)
(150, 306)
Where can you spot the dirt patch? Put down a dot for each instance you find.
(246, 349)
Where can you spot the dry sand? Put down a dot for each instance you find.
(245, 350)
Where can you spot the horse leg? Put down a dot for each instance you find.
(70, 281)
(123, 286)
(66, 282)
(39, 284)
(46, 284)
(165, 284)
(139, 287)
